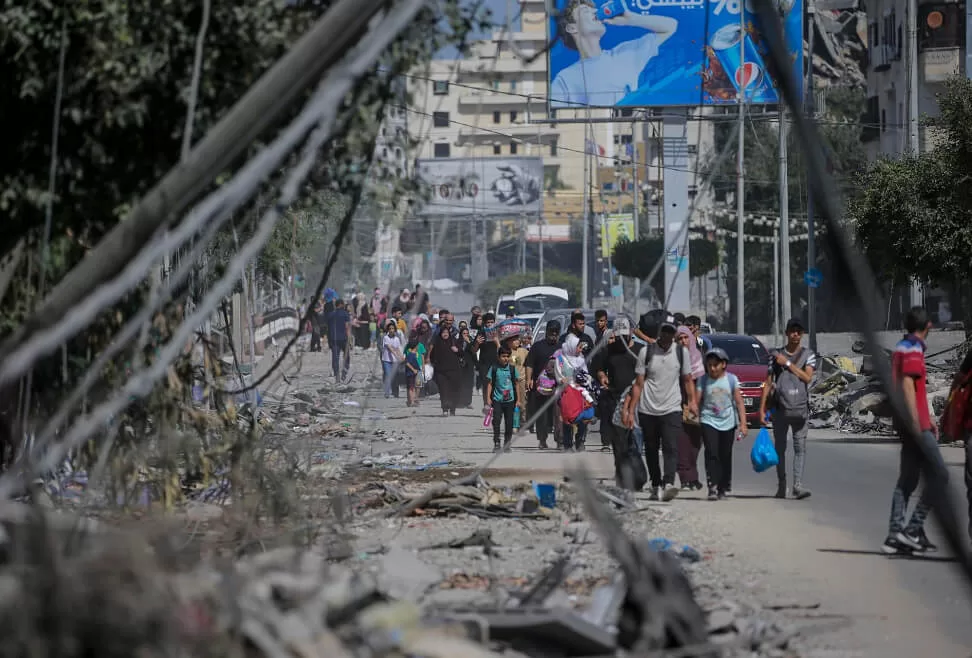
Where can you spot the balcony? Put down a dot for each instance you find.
(881, 57)
(483, 66)
(936, 64)
(496, 100)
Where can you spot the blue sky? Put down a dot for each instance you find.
(498, 8)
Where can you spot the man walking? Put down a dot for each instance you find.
(909, 375)
(787, 392)
(661, 376)
(338, 330)
(536, 362)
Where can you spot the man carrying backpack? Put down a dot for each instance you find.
(787, 392)
(663, 378)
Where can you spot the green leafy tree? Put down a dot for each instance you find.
(493, 289)
(913, 217)
(636, 258)
(841, 130)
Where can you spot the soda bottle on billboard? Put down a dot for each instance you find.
(749, 77)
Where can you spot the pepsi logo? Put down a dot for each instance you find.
(748, 74)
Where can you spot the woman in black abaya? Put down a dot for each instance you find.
(467, 374)
(446, 358)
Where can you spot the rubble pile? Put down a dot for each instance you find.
(847, 400)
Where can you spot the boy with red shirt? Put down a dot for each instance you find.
(908, 370)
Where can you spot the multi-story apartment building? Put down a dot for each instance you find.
(940, 53)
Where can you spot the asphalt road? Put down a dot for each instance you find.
(832, 542)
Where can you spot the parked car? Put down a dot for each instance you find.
(748, 361)
(562, 315)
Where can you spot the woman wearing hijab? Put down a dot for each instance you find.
(467, 376)
(362, 329)
(690, 440)
(445, 357)
(573, 437)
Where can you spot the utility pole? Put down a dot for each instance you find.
(776, 277)
(808, 101)
(785, 302)
(636, 193)
(586, 229)
(540, 231)
(740, 183)
(913, 143)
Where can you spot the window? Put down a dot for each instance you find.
(440, 119)
(513, 86)
(512, 117)
(495, 85)
(884, 120)
(553, 148)
(553, 113)
(497, 149)
(512, 148)
(441, 150)
(440, 87)
(496, 117)
(693, 149)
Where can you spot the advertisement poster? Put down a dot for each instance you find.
(655, 53)
(481, 186)
(615, 228)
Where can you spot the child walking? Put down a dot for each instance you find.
(721, 410)
(501, 390)
(413, 367)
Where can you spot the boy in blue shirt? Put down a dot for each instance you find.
(501, 391)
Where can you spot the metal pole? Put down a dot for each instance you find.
(913, 142)
(431, 251)
(540, 231)
(523, 244)
(786, 304)
(636, 192)
(740, 183)
(776, 280)
(811, 230)
(586, 229)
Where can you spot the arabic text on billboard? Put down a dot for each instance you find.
(482, 186)
(664, 52)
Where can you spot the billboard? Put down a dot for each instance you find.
(481, 186)
(650, 53)
(615, 228)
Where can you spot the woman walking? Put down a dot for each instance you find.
(362, 330)
(467, 374)
(445, 357)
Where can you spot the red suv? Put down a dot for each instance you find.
(749, 362)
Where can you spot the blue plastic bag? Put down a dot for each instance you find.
(763, 455)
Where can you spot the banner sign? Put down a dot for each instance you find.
(481, 186)
(656, 53)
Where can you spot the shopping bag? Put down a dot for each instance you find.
(488, 420)
(763, 455)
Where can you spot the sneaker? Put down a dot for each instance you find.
(894, 546)
(654, 494)
(687, 486)
(781, 490)
(800, 493)
(697, 485)
(722, 495)
(669, 493)
(713, 494)
(917, 541)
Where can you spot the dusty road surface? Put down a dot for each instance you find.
(816, 564)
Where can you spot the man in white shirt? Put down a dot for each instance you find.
(603, 77)
(663, 381)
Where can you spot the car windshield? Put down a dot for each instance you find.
(538, 304)
(741, 351)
